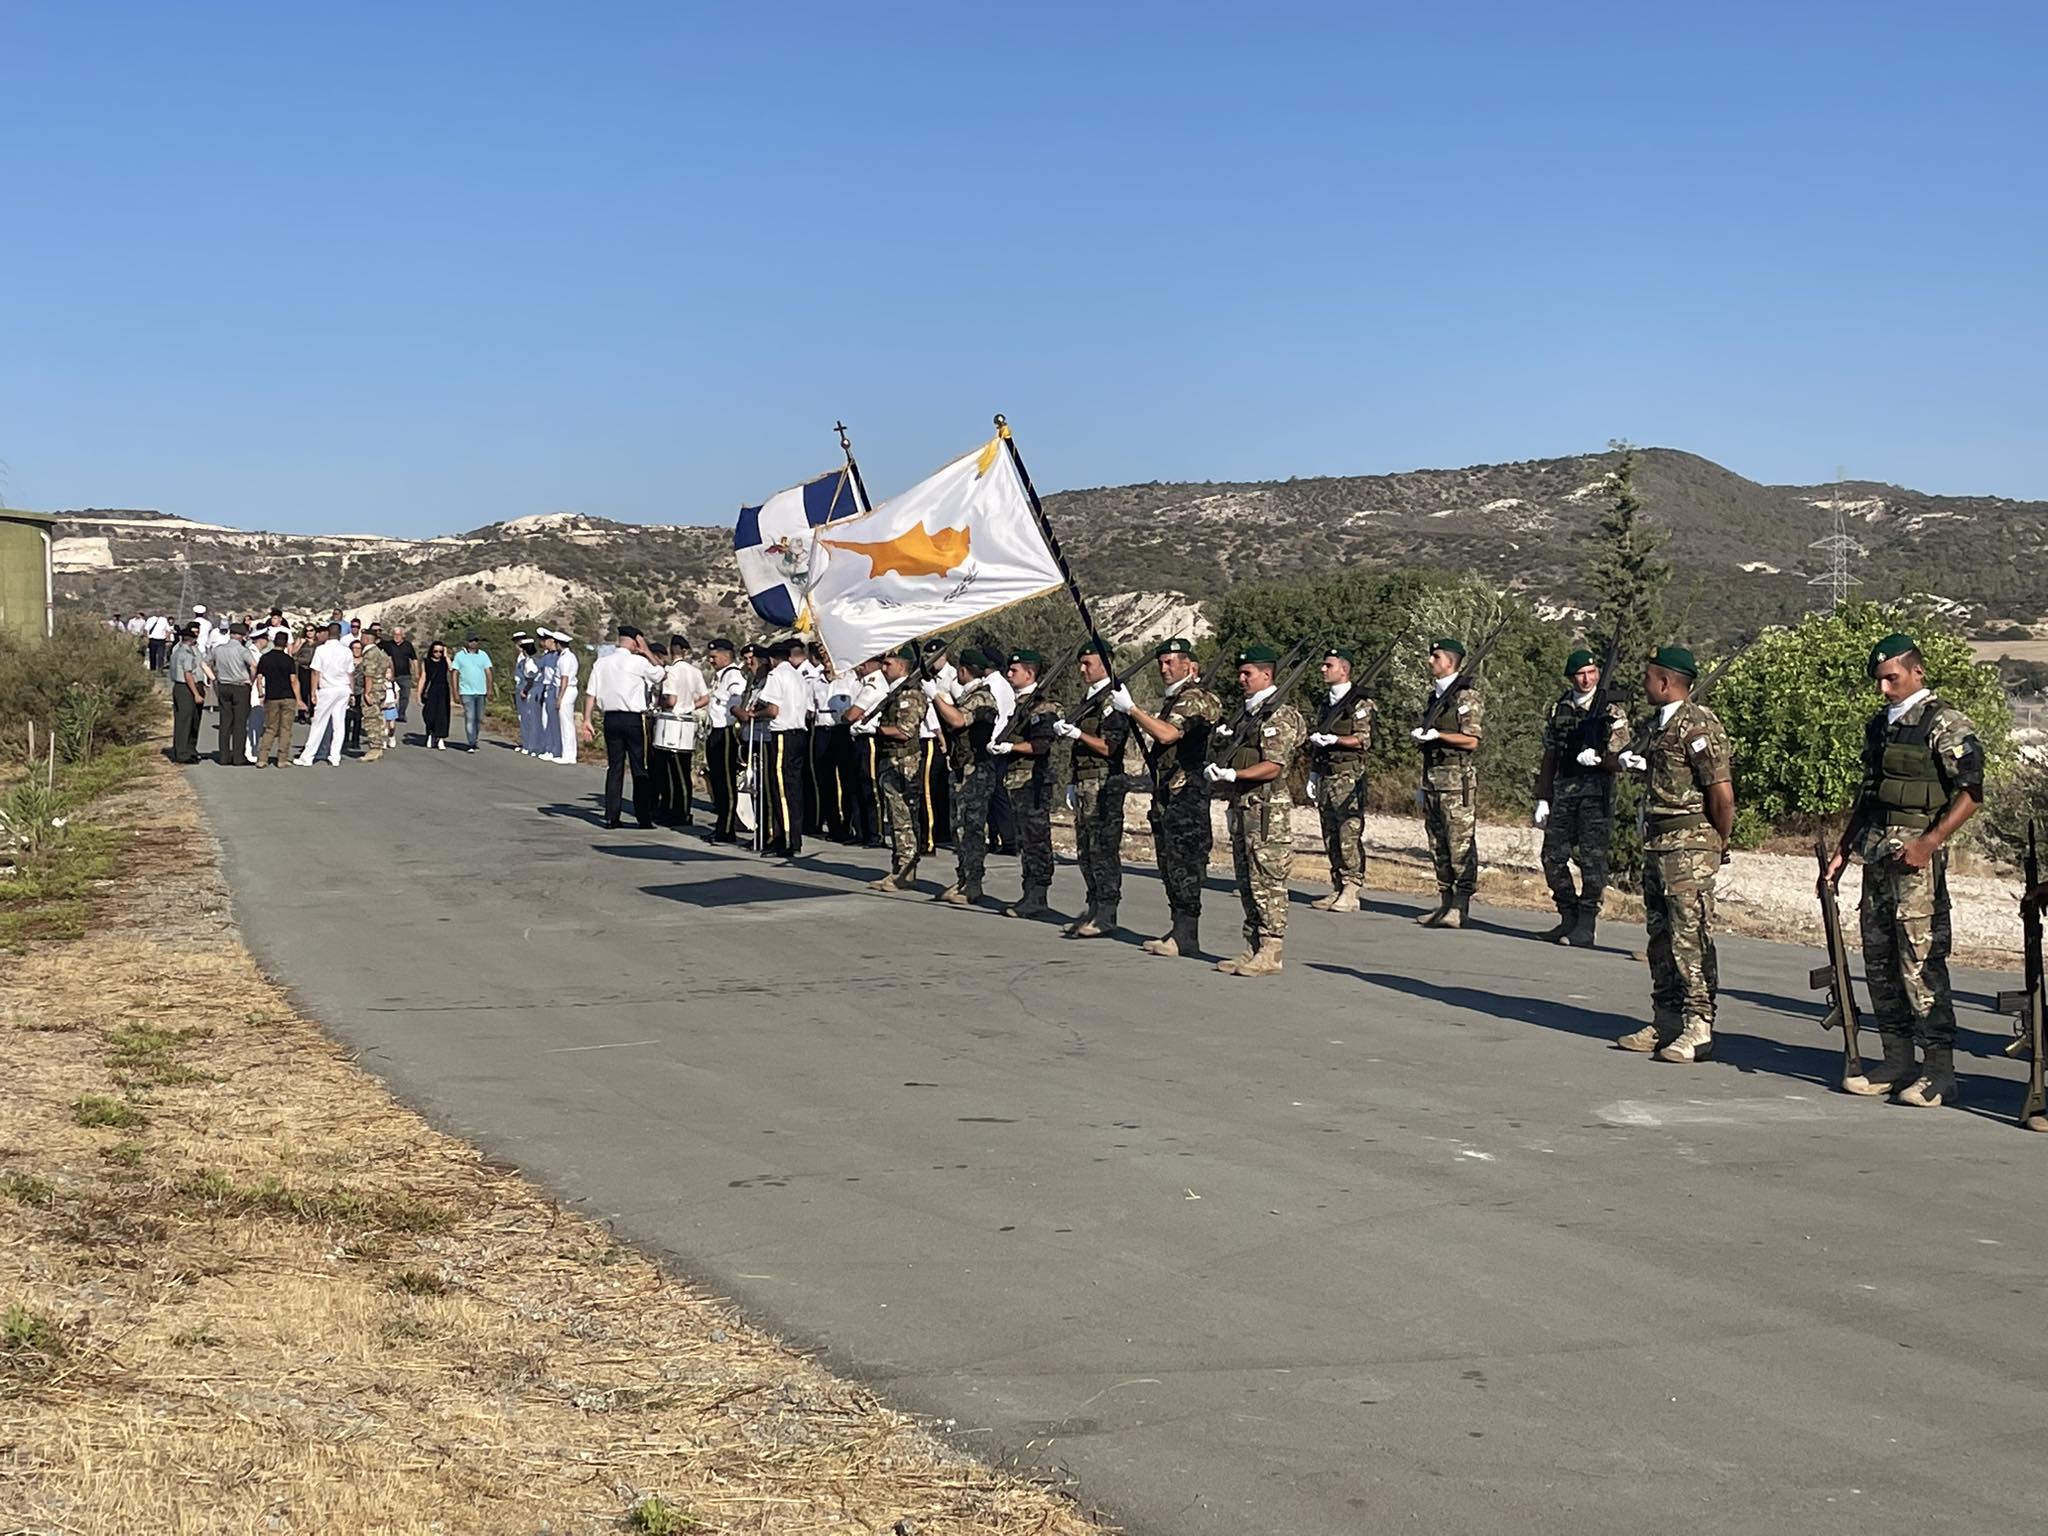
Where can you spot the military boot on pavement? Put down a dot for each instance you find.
(895, 880)
(1435, 919)
(1658, 1033)
(1099, 924)
(1695, 1042)
(1457, 915)
(1230, 967)
(1567, 921)
(1073, 930)
(1030, 904)
(1581, 936)
(1182, 941)
(1346, 897)
(1936, 1084)
(1897, 1071)
(1264, 961)
(1325, 903)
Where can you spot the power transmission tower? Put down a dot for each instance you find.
(1839, 547)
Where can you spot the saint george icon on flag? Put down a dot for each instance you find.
(773, 542)
(958, 545)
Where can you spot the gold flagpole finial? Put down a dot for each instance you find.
(1002, 426)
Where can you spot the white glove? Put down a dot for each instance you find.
(1590, 758)
(1216, 773)
(1635, 762)
(1542, 812)
(929, 687)
(1429, 735)
(1066, 730)
(1315, 785)
(1070, 797)
(1321, 739)
(1121, 701)
(1001, 748)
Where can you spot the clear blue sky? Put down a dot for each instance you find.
(414, 267)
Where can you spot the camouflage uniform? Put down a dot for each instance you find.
(974, 777)
(1904, 913)
(1450, 799)
(1099, 787)
(900, 783)
(1029, 782)
(375, 672)
(1182, 834)
(1340, 784)
(1681, 858)
(1581, 824)
(1260, 816)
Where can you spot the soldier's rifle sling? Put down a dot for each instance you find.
(1464, 677)
(1293, 659)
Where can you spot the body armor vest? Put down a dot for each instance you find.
(1910, 792)
(1435, 752)
(1334, 719)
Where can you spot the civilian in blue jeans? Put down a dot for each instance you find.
(473, 684)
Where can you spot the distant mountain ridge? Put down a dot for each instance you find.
(1156, 552)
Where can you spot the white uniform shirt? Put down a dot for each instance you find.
(685, 682)
(820, 685)
(867, 697)
(839, 691)
(1006, 698)
(787, 689)
(725, 690)
(946, 677)
(333, 665)
(158, 628)
(566, 666)
(619, 680)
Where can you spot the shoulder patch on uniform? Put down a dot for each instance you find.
(1272, 730)
(1699, 744)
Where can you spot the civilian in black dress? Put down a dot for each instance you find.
(435, 692)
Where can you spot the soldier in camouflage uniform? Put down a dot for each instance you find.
(1453, 716)
(372, 673)
(901, 755)
(1248, 761)
(1025, 747)
(967, 716)
(1175, 741)
(1923, 777)
(1338, 743)
(1688, 816)
(1098, 785)
(1575, 798)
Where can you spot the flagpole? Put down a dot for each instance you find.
(860, 487)
(1045, 527)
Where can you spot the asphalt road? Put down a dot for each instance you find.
(1392, 1241)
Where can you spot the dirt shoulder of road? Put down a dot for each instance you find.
(242, 1289)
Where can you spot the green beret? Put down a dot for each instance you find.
(1450, 645)
(1179, 645)
(1676, 658)
(1095, 648)
(1885, 649)
(1264, 655)
(1579, 658)
(979, 659)
(1343, 653)
(908, 653)
(1028, 658)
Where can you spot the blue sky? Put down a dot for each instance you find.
(413, 268)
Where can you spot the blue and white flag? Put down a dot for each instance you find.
(774, 546)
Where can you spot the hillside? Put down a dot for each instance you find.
(1741, 548)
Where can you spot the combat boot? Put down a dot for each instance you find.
(1231, 966)
(947, 894)
(1695, 1042)
(1324, 903)
(1936, 1085)
(2037, 1122)
(1436, 919)
(1658, 1033)
(1897, 1071)
(1567, 921)
(1073, 930)
(895, 880)
(1346, 898)
(1264, 961)
(1581, 936)
(1099, 924)
(1181, 940)
(1030, 904)
(961, 895)
(1457, 915)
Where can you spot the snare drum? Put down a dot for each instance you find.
(672, 733)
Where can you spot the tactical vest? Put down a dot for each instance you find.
(1334, 719)
(1588, 729)
(1910, 792)
(1435, 752)
(1092, 716)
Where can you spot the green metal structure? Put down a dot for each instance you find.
(26, 540)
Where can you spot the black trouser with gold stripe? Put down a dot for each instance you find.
(825, 811)
(784, 771)
(721, 773)
(936, 810)
(625, 745)
(863, 805)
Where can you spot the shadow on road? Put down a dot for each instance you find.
(739, 890)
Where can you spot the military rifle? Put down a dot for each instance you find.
(1463, 678)
(1835, 976)
(1093, 706)
(1592, 732)
(2030, 1005)
(1704, 685)
(1295, 663)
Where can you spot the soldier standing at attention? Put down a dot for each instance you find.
(968, 716)
(900, 751)
(1176, 745)
(1923, 777)
(1575, 799)
(1450, 783)
(1688, 817)
(1027, 774)
(1097, 774)
(374, 674)
(1248, 761)
(1338, 744)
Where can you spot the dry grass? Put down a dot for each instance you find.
(284, 1303)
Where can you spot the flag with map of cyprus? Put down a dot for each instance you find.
(958, 545)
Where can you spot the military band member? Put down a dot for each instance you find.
(1027, 774)
(1175, 741)
(1687, 818)
(899, 751)
(1450, 783)
(1247, 768)
(969, 714)
(722, 744)
(1923, 777)
(1575, 798)
(1097, 774)
(1341, 737)
(864, 810)
(525, 673)
(933, 771)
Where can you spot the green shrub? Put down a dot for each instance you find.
(84, 682)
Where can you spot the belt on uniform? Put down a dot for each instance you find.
(1657, 826)
(1917, 821)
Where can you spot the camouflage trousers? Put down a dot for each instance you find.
(902, 804)
(1032, 808)
(1450, 815)
(1099, 838)
(1905, 922)
(1678, 913)
(1340, 801)
(1182, 836)
(972, 792)
(1580, 831)
(1261, 853)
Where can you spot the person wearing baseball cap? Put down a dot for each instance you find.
(1448, 735)
(1923, 777)
(1575, 798)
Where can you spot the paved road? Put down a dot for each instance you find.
(1392, 1242)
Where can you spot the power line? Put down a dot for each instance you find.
(1839, 547)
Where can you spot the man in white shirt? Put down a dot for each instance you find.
(684, 693)
(158, 633)
(620, 681)
(823, 811)
(864, 811)
(207, 633)
(334, 668)
(935, 782)
(567, 666)
(722, 748)
(784, 702)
